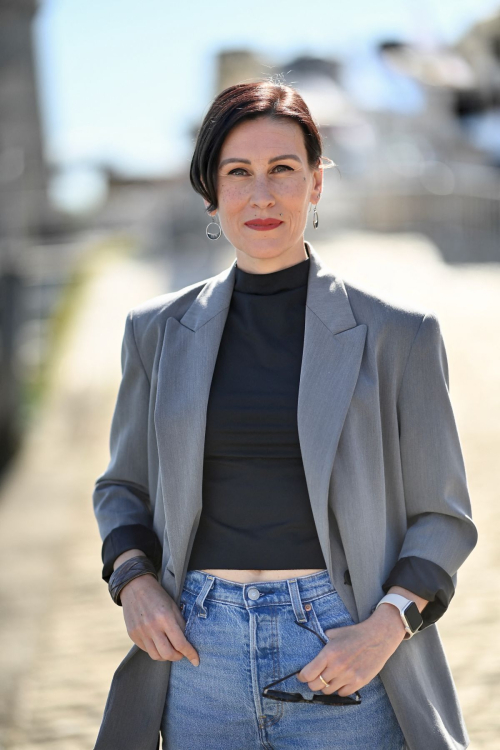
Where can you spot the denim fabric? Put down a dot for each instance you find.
(247, 636)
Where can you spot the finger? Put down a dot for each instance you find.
(334, 683)
(147, 645)
(138, 641)
(165, 647)
(340, 680)
(181, 644)
(151, 649)
(329, 675)
(181, 622)
(333, 673)
(348, 689)
(315, 667)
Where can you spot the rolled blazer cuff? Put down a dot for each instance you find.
(426, 579)
(132, 536)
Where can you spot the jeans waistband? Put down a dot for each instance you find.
(294, 591)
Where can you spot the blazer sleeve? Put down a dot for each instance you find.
(121, 499)
(440, 533)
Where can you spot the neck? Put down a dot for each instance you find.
(288, 257)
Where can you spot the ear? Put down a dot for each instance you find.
(212, 213)
(317, 188)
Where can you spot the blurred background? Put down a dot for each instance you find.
(100, 103)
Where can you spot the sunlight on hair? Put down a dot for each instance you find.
(329, 163)
(277, 79)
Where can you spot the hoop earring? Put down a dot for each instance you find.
(211, 233)
(315, 217)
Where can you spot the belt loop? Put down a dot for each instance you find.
(298, 609)
(200, 599)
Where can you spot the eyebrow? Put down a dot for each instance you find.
(230, 160)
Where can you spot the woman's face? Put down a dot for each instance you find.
(263, 174)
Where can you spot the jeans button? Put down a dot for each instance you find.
(253, 593)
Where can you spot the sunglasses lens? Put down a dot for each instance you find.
(328, 700)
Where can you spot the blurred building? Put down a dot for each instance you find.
(478, 106)
(237, 66)
(422, 173)
(23, 182)
(480, 46)
(389, 119)
(23, 173)
(32, 270)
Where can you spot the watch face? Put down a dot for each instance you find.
(413, 617)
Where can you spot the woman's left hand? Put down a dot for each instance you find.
(355, 654)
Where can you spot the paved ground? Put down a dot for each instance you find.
(61, 635)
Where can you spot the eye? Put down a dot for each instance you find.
(237, 169)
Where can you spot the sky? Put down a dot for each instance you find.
(124, 81)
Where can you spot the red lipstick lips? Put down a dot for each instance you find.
(262, 225)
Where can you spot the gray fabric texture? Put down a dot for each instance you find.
(381, 454)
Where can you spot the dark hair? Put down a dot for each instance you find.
(247, 101)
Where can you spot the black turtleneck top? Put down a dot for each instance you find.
(256, 510)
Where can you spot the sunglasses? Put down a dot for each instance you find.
(329, 700)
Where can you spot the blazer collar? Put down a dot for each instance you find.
(326, 297)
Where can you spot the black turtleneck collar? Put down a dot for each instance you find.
(283, 280)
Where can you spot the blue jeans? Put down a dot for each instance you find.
(247, 636)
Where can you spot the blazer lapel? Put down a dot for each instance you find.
(185, 372)
(333, 347)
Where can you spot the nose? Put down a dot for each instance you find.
(262, 196)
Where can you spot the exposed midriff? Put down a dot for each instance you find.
(255, 576)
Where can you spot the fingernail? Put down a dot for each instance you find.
(195, 663)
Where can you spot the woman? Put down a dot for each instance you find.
(284, 451)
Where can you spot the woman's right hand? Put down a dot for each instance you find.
(154, 621)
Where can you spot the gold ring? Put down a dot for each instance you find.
(327, 684)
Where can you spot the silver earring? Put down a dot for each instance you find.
(214, 234)
(315, 217)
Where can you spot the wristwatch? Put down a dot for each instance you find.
(411, 617)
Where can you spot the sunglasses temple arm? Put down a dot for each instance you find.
(313, 631)
(292, 673)
(280, 680)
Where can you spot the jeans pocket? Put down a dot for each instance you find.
(329, 611)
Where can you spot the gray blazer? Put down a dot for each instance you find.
(381, 454)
